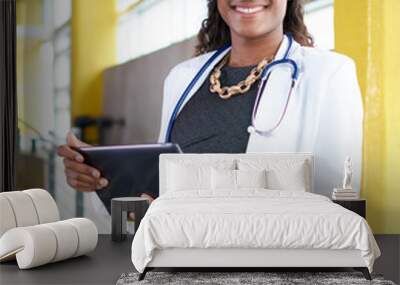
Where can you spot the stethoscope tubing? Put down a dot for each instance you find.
(269, 132)
(189, 88)
(263, 81)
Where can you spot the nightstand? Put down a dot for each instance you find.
(119, 210)
(358, 206)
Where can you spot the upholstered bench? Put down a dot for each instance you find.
(31, 232)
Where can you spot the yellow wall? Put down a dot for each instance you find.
(365, 30)
(391, 86)
(93, 50)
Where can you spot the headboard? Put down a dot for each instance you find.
(212, 159)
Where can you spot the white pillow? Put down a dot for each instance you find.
(289, 179)
(282, 174)
(251, 178)
(237, 179)
(181, 177)
(188, 175)
(223, 179)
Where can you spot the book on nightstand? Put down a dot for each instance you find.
(344, 194)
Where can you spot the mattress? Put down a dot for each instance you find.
(250, 219)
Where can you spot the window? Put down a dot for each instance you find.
(145, 26)
(320, 22)
(152, 25)
(44, 63)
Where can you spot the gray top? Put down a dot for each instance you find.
(209, 124)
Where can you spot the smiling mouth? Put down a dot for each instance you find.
(247, 9)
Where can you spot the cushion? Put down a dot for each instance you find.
(31, 233)
(45, 206)
(236, 179)
(251, 178)
(87, 233)
(23, 208)
(26, 208)
(290, 179)
(187, 175)
(223, 179)
(7, 218)
(31, 246)
(67, 237)
(40, 244)
(282, 174)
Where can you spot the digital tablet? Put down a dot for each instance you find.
(130, 169)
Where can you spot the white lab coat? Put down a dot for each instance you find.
(324, 116)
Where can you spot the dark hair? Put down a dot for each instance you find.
(215, 33)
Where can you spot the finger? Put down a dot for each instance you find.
(85, 189)
(67, 152)
(81, 168)
(94, 182)
(74, 184)
(81, 177)
(72, 140)
(80, 186)
(102, 183)
(149, 198)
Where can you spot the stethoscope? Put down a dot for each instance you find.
(261, 87)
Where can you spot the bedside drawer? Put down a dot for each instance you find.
(357, 206)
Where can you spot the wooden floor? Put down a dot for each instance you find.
(110, 260)
(103, 266)
(389, 262)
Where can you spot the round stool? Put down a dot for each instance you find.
(119, 212)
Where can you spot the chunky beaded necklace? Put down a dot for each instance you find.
(242, 87)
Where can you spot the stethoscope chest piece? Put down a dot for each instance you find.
(251, 130)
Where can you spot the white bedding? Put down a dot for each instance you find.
(251, 218)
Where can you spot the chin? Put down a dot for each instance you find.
(252, 28)
(251, 32)
(252, 19)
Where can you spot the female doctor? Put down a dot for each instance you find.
(257, 85)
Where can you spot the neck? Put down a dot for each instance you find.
(246, 52)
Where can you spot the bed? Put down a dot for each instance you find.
(246, 211)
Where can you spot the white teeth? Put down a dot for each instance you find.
(249, 10)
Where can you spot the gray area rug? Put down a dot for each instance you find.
(269, 278)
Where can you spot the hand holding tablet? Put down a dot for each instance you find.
(113, 171)
(80, 176)
(131, 170)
